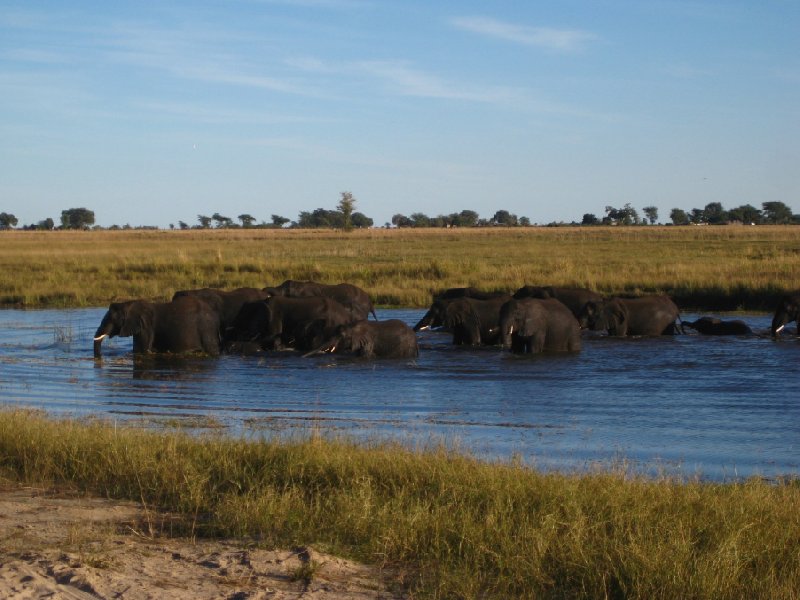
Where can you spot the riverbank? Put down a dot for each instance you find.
(442, 524)
(702, 268)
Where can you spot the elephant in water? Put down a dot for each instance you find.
(368, 339)
(351, 297)
(226, 303)
(532, 325)
(278, 322)
(573, 298)
(715, 326)
(788, 310)
(471, 321)
(647, 315)
(184, 325)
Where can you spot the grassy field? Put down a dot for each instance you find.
(444, 526)
(725, 268)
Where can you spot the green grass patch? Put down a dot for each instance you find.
(445, 525)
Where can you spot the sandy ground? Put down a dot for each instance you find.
(61, 546)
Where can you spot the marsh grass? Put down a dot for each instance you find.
(728, 267)
(443, 525)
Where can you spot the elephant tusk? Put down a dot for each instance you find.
(424, 328)
(510, 330)
(100, 338)
(779, 329)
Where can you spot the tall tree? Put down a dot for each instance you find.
(205, 222)
(346, 205)
(745, 213)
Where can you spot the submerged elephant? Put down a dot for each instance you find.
(573, 298)
(369, 339)
(647, 315)
(788, 310)
(715, 326)
(350, 296)
(226, 303)
(184, 325)
(533, 325)
(278, 322)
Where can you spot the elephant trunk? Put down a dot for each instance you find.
(105, 330)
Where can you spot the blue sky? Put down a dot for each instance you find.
(150, 113)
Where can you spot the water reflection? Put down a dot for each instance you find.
(724, 406)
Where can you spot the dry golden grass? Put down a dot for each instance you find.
(717, 267)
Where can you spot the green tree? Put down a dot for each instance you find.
(589, 219)
(419, 219)
(361, 221)
(776, 212)
(7, 220)
(346, 205)
(222, 222)
(278, 221)
(205, 222)
(77, 218)
(651, 212)
(247, 220)
(678, 216)
(503, 217)
(714, 214)
(745, 213)
(400, 220)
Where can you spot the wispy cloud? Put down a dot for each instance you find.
(560, 40)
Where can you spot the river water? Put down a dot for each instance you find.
(720, 408)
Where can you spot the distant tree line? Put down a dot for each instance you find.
(346, 218)
(773, 213)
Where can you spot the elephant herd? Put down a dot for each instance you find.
(315, 318)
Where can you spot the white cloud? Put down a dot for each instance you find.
(560, 40)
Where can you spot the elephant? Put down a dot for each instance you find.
(472, 322)
(788, 310)
(573, 298)
(351, 297)
(715, 326)
(437, 313)
(186, 324)
(277, 322)
(533, 325)
(368, 339)
(467, 292)
(646, 315)
(227, 303)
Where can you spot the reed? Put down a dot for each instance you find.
(715, 267)
(442, 525)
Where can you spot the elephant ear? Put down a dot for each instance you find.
(364, 345)
(527, 327)
(138, 318)
(618, 319)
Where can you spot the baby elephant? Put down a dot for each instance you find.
(372, 339)
(715, 326)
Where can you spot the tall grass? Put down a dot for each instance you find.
(444, 525)
(720, 267)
